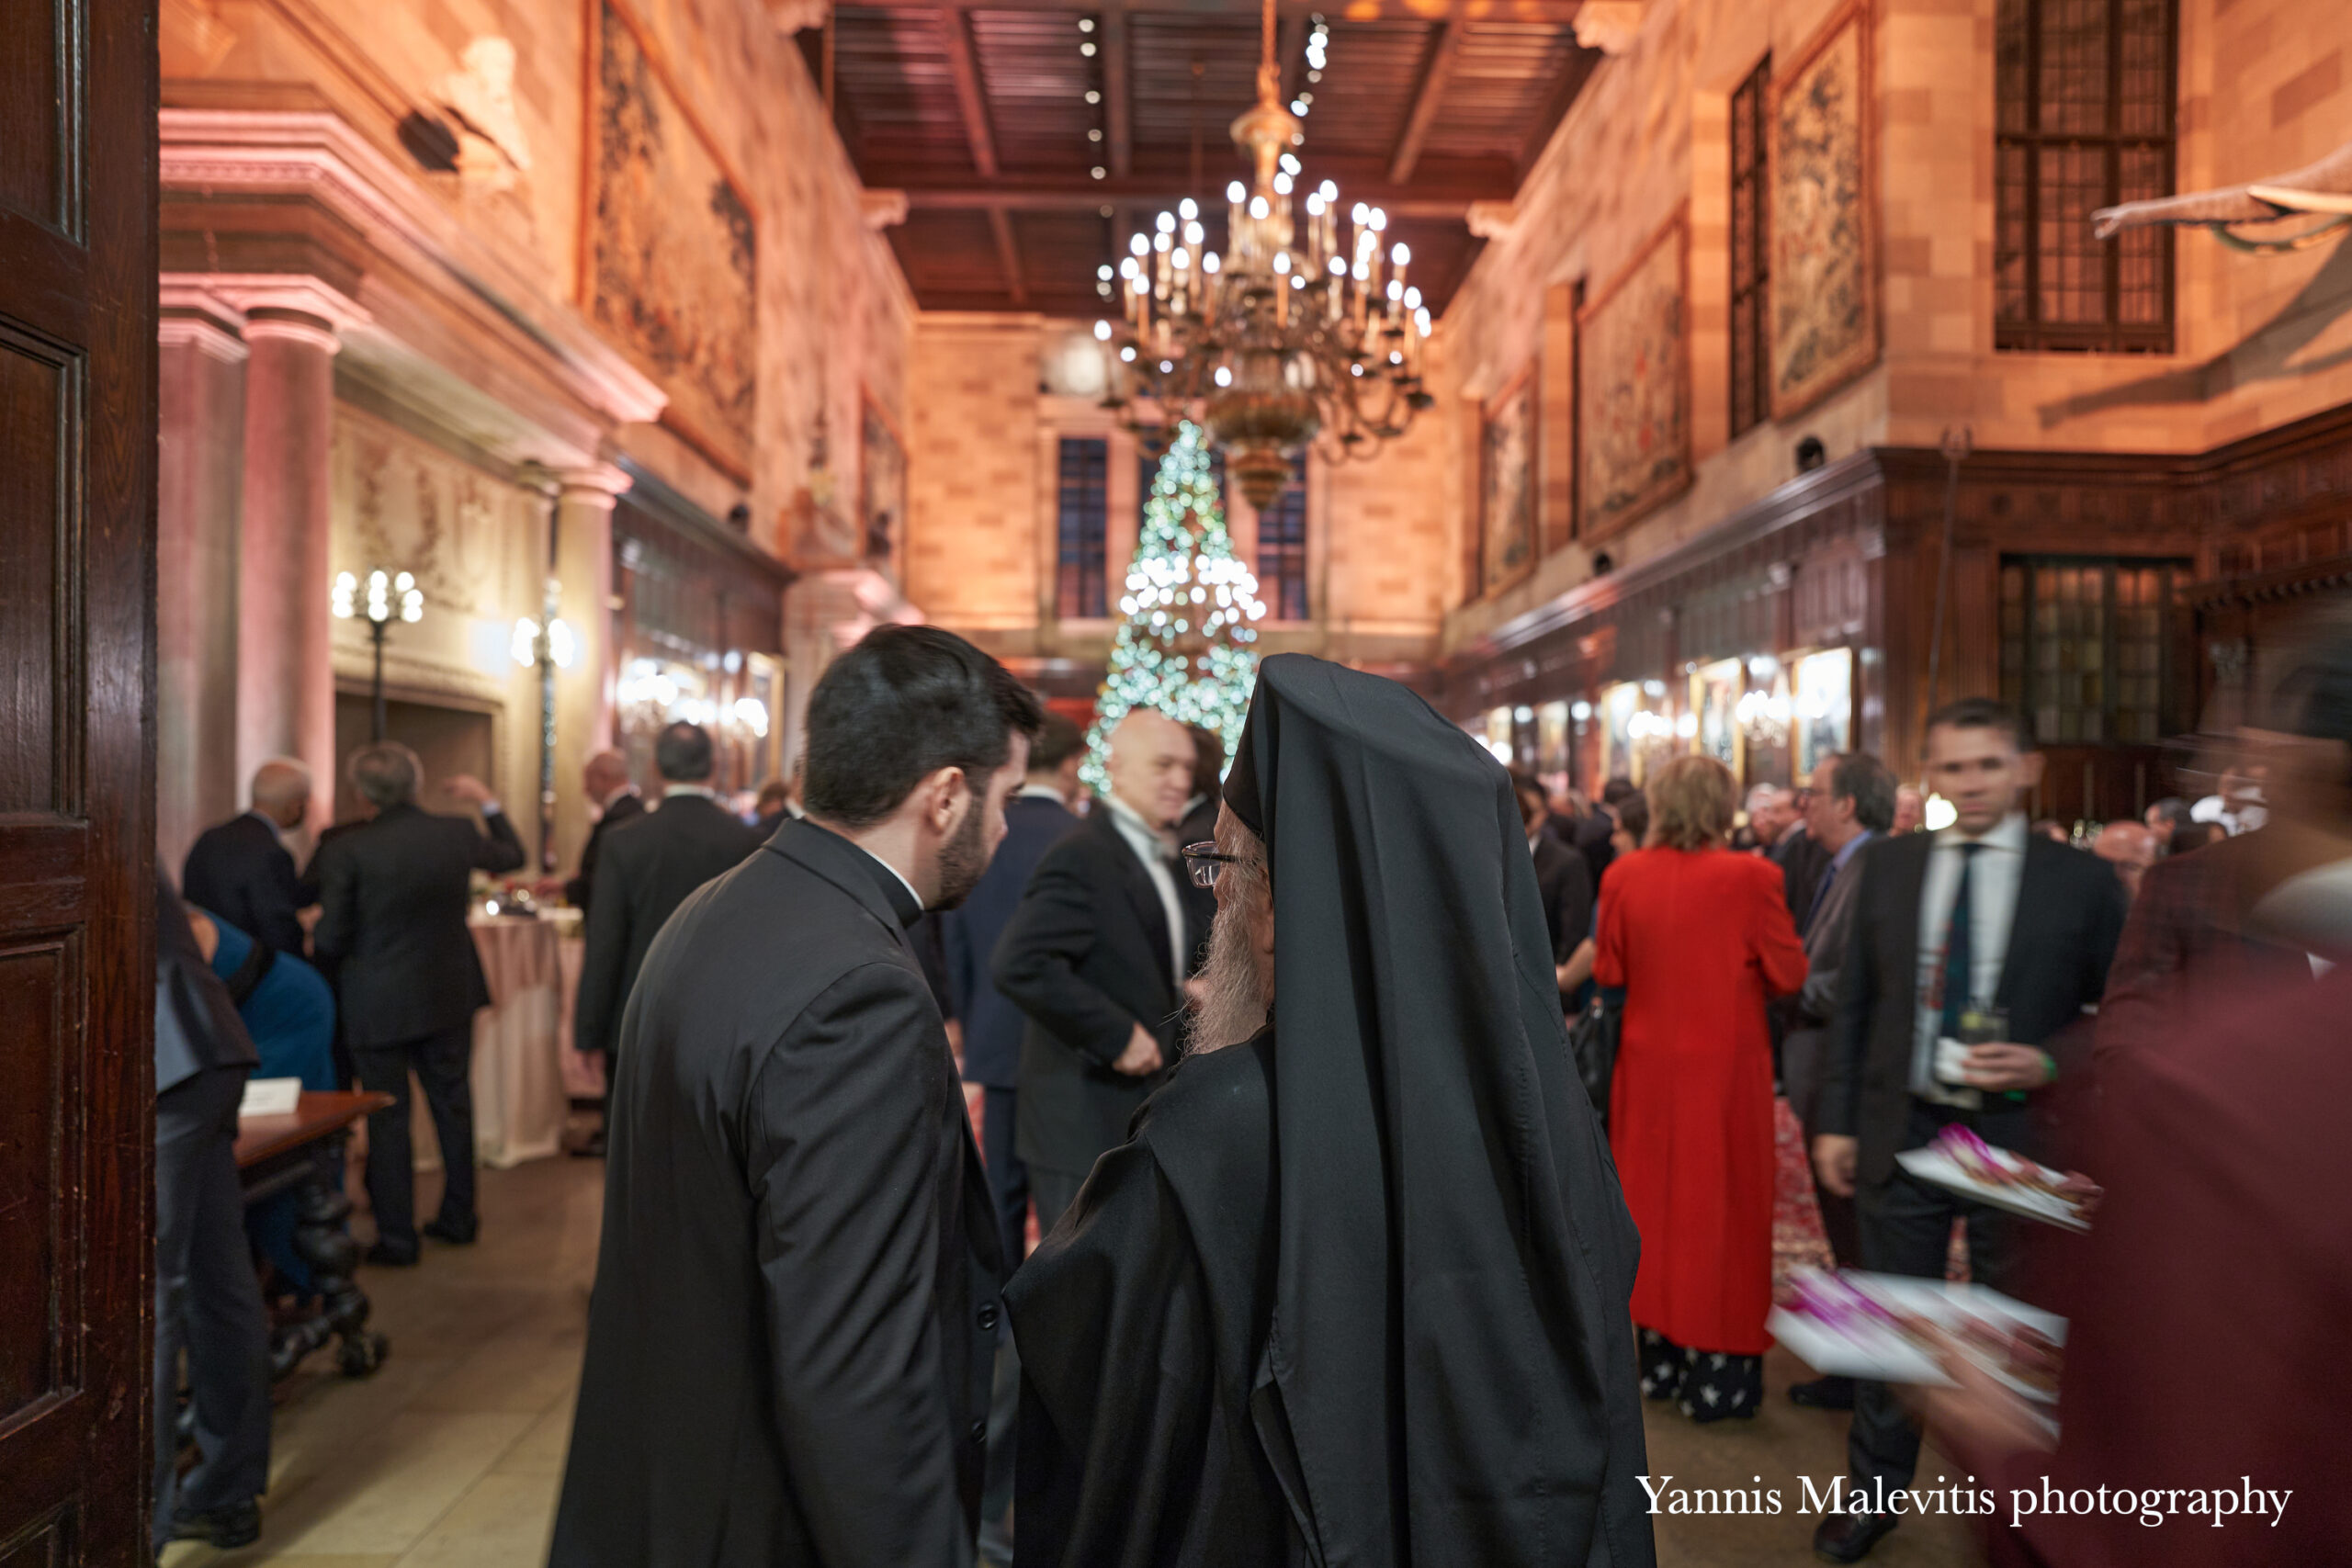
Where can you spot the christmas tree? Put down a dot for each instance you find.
(1191, 607)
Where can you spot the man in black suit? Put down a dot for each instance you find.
(605, 782)
(1097, 955)
(648, 867)
(241, 871)
(1982, 920)
(393, 897)
(790, 1336)
(208, 1299)
(1035, 819)
(1561, 877)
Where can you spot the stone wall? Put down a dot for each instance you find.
(992, 398)
(2260, 340)
(460, 306)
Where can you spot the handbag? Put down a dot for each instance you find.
(1592, 1042)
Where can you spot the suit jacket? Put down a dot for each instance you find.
(1566, 885)
(1827, 939)
(2069, 915)
(992, 1024)
(242, 873)
(1802, 862)
(645, 871)
(791, 1333)
(1086, 957)
(621, 809)
(394, 895)
(2187, 934)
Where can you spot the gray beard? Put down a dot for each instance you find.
(1236, 991)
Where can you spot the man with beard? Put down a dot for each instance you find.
(790, 1337)
(1355, 1291)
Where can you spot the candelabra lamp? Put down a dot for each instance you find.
(546, 644)
(389, 596)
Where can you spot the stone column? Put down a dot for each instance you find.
(201, 458)
(583, 699)
(285, 656)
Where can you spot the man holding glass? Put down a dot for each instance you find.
(1975, 948)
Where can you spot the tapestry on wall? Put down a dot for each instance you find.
(1824, 279)
(1506, 437)
(669, 262)
(1633, 389)
(882, 479)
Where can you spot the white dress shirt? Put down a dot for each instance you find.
(1994, 878)
(1155, 850)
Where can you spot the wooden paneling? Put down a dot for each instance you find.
(33, 1150)
(38, 424)
(979, 108)
(77, 549)
(38, 123)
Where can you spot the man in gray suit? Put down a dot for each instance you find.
(1851, 801)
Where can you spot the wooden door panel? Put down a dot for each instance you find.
(77, 552)
(37, 423)
(36, 118)
(33, 1156)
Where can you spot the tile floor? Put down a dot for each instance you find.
(450, 1456)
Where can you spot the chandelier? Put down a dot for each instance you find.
(1303, 331)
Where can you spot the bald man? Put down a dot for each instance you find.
(1096, 956)
(241, 871)
(605, 781)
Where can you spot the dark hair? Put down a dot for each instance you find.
(773, 794)
(1869, 783)
(1208, 759)
(1617, 789)
(682, 753)
(1056, 742)
(903, 704)
(1983, 713)
(1524, 784)
(2190, 837)
(1633, 810)
(2173, 810)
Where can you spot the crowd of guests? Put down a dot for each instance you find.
(802, 1347)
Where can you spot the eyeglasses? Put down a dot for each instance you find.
(1203, 862)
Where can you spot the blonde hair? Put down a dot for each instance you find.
(1692, 802)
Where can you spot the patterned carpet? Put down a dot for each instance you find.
(1796, 1224)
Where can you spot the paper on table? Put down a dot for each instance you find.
(270, 1097)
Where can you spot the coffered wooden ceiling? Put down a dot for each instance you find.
(1032, 140)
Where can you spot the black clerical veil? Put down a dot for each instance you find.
(1449, 1334)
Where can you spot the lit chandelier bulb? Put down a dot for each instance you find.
(1167, 223)
(1138, 245)
(1103, 331)
(1188, 209)
(1234, 192)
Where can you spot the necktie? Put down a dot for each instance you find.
(1960, 957)
(1812, 910)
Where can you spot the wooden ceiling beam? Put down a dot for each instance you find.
(1437, 72)
(1559, 12)
(955, 26)
(1008, 254)
(1118, 115)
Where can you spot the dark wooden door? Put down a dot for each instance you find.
(77, 560)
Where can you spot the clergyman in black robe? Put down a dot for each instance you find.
(1355, 1291)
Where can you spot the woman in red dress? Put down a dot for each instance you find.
(1698, 937)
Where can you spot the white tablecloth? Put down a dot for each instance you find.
(518, 1073)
